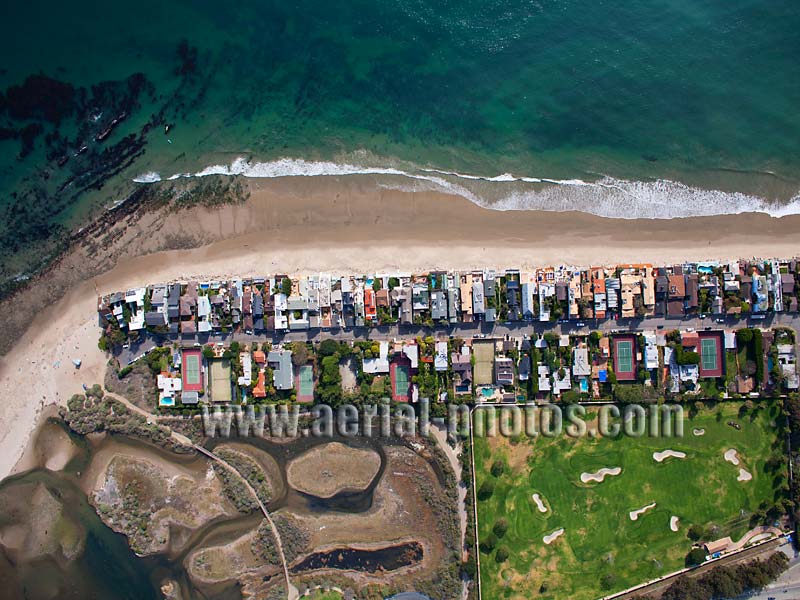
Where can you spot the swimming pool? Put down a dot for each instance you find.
(584, 385)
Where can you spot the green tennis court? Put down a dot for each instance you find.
(306, 381)
(400, 380)
(625, 356)
(709, 354)
(193, 369)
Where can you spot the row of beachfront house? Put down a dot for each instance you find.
(281, 303)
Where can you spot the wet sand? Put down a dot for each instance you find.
(298, 225)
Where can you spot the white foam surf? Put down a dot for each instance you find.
(150, 177)
(606, 197)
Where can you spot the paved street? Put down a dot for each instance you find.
(468, 330)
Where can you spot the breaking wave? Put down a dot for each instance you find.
(605, 197)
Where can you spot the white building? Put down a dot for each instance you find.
(380, 364)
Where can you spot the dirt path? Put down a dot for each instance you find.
(440, 433)
(452, 456)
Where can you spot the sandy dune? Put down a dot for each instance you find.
(600, 475)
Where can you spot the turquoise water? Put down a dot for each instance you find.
(666, 108)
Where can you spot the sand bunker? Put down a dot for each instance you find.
(600, 475)
(539, 504)
(732, 456)
(549, 539)
(744, 475)
(673, 523)
(700, 431)
(665, 454)
(634, 514)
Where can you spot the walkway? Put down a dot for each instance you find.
(293, 592)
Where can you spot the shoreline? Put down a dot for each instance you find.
(295, 227)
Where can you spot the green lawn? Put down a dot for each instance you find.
(602, 550)
(320, 595)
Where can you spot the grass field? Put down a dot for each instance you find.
(602, 550)
(221, 380)
(484, 361)
(323, 595)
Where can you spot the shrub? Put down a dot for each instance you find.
(497, 468)
(502, 554)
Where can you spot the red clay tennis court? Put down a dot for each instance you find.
(192, 370)
(711, 354)
(625, 357)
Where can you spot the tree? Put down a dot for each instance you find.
(208, 352)
(696, 556)
(500, 527)
(570, 397)
(695, 533)
(488, 543)
(552, 339)
(608, 581)
(497, 468)
(286, 286)
(486, 490)
(299, 354)
(328, 347)
(628, 393)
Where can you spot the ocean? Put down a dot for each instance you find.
(620, 109)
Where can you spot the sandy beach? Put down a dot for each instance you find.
(298, 225)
